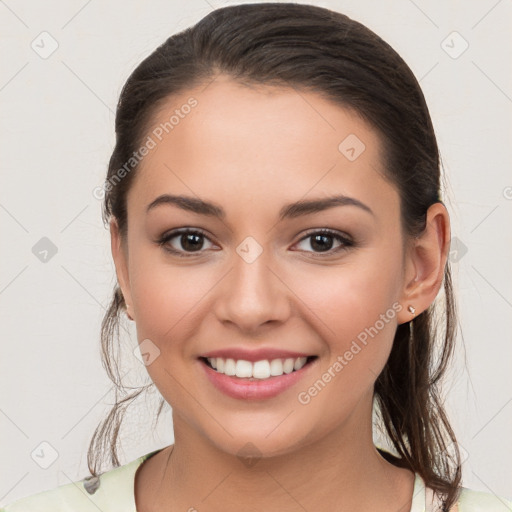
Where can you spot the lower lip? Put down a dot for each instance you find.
(258, 389)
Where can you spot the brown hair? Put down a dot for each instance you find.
(323, 51)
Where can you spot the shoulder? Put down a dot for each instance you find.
(479, 501)
(112, 491)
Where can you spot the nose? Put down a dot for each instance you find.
(252, 295)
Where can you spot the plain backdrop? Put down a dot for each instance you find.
(56, 136)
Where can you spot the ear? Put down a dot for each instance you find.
(120, 256)
(425, 263)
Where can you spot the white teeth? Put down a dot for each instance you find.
(263, 369)
(243, 368)
(229, 367)
(276, 367)
(288, 365)
(298, 363)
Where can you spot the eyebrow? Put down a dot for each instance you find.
(288, 211)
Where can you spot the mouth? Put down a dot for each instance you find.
(259, 370)
(257, 380)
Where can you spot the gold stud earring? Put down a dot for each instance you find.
(411, 310)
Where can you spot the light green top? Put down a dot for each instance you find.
(113, 491)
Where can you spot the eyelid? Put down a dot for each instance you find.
(329, 231)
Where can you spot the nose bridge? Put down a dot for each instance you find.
(251, 293)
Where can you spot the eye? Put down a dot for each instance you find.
(322, 241)
(191, 240)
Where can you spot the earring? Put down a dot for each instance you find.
(411, 310)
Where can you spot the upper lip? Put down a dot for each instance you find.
(255, 354)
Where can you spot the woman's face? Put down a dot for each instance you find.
(256, 279)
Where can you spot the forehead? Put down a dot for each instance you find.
(259, 146)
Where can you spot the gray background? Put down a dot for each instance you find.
(56, 136)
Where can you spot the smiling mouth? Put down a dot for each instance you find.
(258, 371)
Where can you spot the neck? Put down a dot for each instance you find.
(341, 471)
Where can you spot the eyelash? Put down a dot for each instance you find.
(347, 243)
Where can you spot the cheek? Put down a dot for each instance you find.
(354, 309)
(166, 295)
(347, 298)
(357, 321)
(168, 302)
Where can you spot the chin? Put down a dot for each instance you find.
(261, 439)
(250, 449)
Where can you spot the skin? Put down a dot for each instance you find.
(251, 150)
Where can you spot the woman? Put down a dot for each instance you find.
(279, 238)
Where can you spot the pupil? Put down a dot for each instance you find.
(321, 246)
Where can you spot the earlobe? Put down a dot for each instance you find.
(426, 262)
